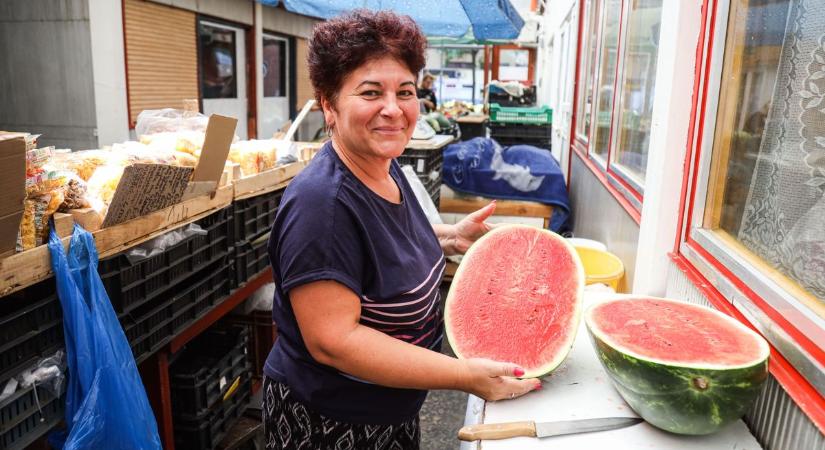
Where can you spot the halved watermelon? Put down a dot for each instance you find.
(516, 297)
(684, 368)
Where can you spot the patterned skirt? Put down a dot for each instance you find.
(289, 424)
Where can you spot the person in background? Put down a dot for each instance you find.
(426, 95)
(357, 265)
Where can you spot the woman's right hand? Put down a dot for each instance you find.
(492, 380)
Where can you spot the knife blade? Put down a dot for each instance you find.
(543, 429)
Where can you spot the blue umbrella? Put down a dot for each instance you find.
(490, 19)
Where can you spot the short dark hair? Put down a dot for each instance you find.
(342, 44)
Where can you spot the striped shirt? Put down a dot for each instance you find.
(330, 226)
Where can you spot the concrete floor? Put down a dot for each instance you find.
(443, 412)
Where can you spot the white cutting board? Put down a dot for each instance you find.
(581, 389)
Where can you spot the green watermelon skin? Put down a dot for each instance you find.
(679, 399)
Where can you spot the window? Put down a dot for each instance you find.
(759, 200)
(458, 72)
(607, 77)
(585, 101)
(638, 83)
(766, 191)
(218, 66)
(274, 66)
(514, 65)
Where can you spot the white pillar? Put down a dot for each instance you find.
(675, 75)
(109, 71)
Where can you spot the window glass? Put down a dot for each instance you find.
(513, 65)
(585, 105)
(638, 85)
(768, 166)
(217, 62)
(274, 67)
(607, 77)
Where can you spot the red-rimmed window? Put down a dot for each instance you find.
(754, 224)
(617, 79)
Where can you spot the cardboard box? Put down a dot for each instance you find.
(12, 188)
(145, 188)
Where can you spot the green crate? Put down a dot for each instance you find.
(537, 116)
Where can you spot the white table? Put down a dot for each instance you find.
(581, 389)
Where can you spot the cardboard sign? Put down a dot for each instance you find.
(145, 188)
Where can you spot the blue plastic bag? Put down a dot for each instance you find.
(106, 403)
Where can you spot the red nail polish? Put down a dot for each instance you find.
(518, 372)
(537, 388)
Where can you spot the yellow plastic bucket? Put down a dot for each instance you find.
(601, 267)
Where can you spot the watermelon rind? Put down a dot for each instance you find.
(565, 348)
(682, 398)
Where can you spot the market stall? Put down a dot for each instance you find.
(180, 222)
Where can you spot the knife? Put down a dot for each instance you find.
(543, 429)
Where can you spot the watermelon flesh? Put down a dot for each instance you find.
(516, 297)
(682, 367)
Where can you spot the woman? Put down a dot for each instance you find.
(426, 94)
(357, 264)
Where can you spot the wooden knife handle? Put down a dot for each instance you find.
(497, 431)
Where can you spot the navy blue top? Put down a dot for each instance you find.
(330, 226)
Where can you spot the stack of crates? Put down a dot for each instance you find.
(521, 126)
(253, 222)
(158, 297)
(31, 328)
(427, 165)
(211, 383)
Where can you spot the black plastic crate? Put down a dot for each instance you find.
(206, 432)
(251, 258)
(22, 421)
(521, 131)
(151, 325)
(131, 285)
(423, 162)
(254, 216)
(207, 368)
(31, 325)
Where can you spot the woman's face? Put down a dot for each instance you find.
(376, 109)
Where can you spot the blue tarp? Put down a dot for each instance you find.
(490, 19)
(520, 172)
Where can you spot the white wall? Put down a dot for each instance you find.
(109, 71)
(675, 74)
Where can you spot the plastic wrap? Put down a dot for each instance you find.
(261, 300)
(162, 242)
(153, 121)
(48, 373)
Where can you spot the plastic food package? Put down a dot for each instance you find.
(254, 156)
(83, 163)
(34, 225)
(153, 121)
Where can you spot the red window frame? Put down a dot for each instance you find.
(803, 393)
(628, 196)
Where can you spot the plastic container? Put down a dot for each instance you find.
(601, 267)
(423, 162)
(254, 216)
(536, 115)
(24, 417)
(251, 258)
(207, 368)
(206, 431)
(131, 285)
(587, 243)
(31, 325)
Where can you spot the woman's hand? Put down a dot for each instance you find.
(493, 380)
(457, 239)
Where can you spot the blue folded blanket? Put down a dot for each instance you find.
(520, 172)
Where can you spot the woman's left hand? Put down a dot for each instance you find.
(470, 229)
